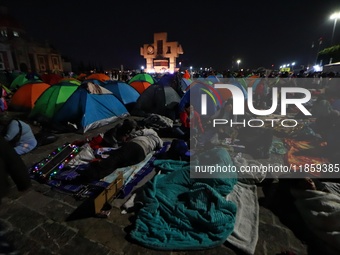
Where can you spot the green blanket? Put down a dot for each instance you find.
(181, 213)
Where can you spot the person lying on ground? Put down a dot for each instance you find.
(308, 183)
(19, 134)
(134, 149)
(127, 127)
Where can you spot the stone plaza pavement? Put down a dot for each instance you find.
(35, 222)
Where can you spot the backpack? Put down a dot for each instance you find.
(17, 137)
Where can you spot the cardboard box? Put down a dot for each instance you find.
(108, 194)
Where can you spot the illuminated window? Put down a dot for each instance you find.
(42, 63)
(161, 62)
(55, 61)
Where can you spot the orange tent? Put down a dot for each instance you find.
(99, 76)
(25, 97)
(251, 80)
(81, 76)
(225, 94)
(140, 86)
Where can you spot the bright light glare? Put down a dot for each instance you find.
(335, 15)
(317, 68)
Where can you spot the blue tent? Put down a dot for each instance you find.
(123, 91)
(238, 84)
(166, 80)
(194, 96)
(89, 111)
(94, 81)
(213, 78)
(185, 83)
(174, 81)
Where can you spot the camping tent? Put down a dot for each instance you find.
(140, 86)
(213, 79)
(51, 78)
(226, 93)
(124, 92)
(25, 97)
(22, 79)
(162, 100)
(94, 81)
(89, 111)
(98, 76)
(51, 100)
(142, 77)
(185, 83)
(72, 80)
(194, 96)
(18, 81)
(172, 80)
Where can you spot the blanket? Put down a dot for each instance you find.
(294, 160)
(67, 171)
(245, 233)
(321, 213)
(183, 213)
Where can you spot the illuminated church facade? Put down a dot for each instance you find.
(161, 55)
(18, 52)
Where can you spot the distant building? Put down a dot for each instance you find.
(17, 52)
(161, 55)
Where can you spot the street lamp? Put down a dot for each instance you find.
(335, 16)
(238, 63)
(293, 64)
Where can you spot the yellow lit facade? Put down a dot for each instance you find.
(161, 55)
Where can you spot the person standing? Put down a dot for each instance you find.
(11, 164)
(191, 121)
(19, 134)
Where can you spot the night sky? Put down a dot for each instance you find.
(110, 33)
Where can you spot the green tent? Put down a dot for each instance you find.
(51, 100)
(22, 79)
(18, 81)
(142, 77)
